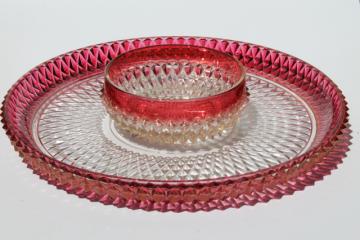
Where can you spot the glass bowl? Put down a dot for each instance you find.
(175, 94)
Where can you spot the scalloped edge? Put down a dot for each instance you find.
(247, 189)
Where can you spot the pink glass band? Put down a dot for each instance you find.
(175, 109)
(205, 195)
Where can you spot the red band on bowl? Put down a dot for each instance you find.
(182, 60)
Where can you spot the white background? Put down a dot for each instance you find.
(323, 33)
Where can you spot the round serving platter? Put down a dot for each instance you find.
(293, 131)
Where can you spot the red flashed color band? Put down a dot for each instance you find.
(177, 196)
(173, 109)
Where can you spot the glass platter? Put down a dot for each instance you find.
(293, 131)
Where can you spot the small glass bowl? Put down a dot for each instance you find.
(175, 94)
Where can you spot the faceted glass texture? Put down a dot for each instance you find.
(175, 94)
(293, 131)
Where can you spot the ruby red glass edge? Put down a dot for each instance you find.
(190, 109)
(270, 61)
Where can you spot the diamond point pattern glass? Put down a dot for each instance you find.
(175, 94)
(56, 89)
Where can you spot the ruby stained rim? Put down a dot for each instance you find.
(175, 109)
(250, 55)
(239, 74)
